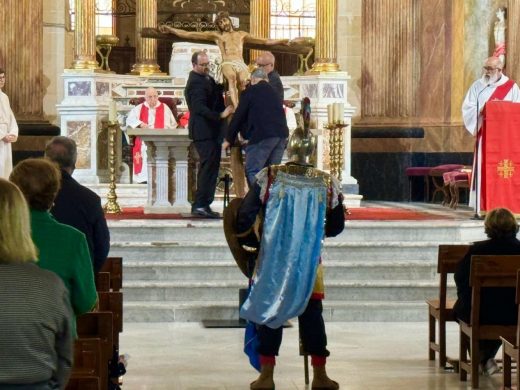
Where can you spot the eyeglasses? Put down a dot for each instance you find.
(490, 68)
(262, 65)
(204, 65)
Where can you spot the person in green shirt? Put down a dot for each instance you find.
(62, 249)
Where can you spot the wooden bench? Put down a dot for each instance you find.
(486, 271)
(510, 350)
(114, 266)
(86, 367)
(440, 310)
(102, 280)
(98, 325)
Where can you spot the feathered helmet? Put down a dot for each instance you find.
(302, 143)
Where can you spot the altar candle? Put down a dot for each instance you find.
(334, 113)
(112, 111)
(330, 114)
(340, 110)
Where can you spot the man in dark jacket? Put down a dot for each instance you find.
(205, 101)
(261, 120)
(76, 205)
(266, 62)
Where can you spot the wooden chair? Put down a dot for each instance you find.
(98, 325)
(510, 350)
(103, 281)
(114, 266)
(486, 271)
(86, 368)
(440, 309)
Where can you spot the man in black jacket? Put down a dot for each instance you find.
(261, 120)
(76, 205)
(205, 101)
(266, 62)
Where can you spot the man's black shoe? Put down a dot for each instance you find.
(205, 212)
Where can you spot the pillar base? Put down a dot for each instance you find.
(323, 67)
(146, 69)
(84, 64)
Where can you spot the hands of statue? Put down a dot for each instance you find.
(227, 112)
(164, 28)
(226, 145)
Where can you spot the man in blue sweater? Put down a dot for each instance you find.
(261, 121)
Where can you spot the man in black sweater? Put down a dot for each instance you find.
(261, 121)
(205, 101)
(76, 205)
(266, 62)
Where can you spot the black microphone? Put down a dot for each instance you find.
(476, 168)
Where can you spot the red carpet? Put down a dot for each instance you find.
(358, 214)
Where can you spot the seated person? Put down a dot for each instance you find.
(76, 205)
(497, 304)
(36, 336)
(62, 249)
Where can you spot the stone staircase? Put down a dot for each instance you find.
(182, 270)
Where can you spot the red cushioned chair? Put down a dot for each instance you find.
(436, 174)
(418, 172)
(455, 181)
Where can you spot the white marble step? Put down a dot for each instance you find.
(219, 251)
(362, 311)
(224, 271)
(367, 231)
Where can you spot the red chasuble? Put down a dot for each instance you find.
(159, 124)
(500, 181)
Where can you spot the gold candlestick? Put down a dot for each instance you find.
(336, 148)
(112, 207)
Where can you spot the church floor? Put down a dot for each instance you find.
(384, 356)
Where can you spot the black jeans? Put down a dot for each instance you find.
(312, 333)
(209, 164)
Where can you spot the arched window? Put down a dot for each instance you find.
(293, 18)
(104, 17)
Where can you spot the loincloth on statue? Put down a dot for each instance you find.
(237, 65)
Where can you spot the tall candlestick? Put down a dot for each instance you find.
(112, 111)
(330, 114)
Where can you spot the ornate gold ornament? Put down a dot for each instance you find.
(505, 169)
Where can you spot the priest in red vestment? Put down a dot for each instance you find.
(493, 85)
(152, 114)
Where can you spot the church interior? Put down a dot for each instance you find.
(398, 70)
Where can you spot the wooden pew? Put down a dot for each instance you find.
(99, 325)
(440, 310)
(510, 350)
(114, 266)
(486, 271)
(113, 302)
(102, 281)
(86, 367)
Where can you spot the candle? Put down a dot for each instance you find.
(341, 108)
(330, 114)
(112, 111)
(334, 113)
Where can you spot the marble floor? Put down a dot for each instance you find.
(187, 356)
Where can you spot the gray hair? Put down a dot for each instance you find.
(259, 74)
(63, 151)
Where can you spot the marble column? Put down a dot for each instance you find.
(146, 48)
(326, 45)
(512, 40)
(21, 56)
(85, 35)
(260, 22)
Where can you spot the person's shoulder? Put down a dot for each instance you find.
(42, 276)
(79, 189)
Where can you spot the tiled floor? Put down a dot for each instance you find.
(186, 356)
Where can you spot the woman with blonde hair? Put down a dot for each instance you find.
(497, 304)
(36, 338)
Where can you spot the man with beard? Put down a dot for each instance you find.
(493, 85)
(231, 45)
(205, 102)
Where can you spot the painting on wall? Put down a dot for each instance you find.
(79, 88)
(102, 89)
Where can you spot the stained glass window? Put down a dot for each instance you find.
(293, 18)
(104, 16)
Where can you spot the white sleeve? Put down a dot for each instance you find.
(515, 93)
(469, 111)
(132, 120)
(169, 119)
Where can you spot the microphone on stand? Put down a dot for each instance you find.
(477, 189)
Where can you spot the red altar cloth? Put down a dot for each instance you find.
(500, 169)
